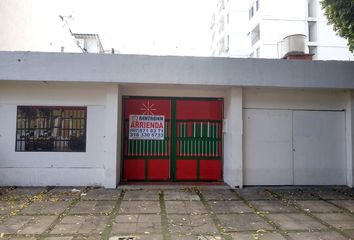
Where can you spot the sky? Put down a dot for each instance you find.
(159, 27)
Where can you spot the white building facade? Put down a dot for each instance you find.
(267, 22)
(66, 123)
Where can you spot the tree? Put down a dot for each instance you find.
(340, 13)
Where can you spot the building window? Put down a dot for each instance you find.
(313, 50)
(51, 129)
(250, 13)
(255, 35)
(257, 5)
(258, 53)
(312, 27)
(227, 44)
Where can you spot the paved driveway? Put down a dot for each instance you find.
(214, 212)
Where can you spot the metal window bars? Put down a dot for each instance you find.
(51, 128)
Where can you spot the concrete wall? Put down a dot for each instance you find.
(299, 99)
(100, 81)
(96, 166)
(138, 69)
(350, 137)
(101, 163)
(233, 144)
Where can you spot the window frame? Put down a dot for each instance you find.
(50, 142)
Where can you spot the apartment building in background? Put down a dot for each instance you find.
(257, 28)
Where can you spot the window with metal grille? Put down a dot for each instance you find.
(51, 129)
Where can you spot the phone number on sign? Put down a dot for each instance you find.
(145, 135)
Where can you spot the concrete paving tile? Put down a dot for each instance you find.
(80, 225)
(185, 207)
(183, 237)
(295, 221)
(142, 194)
(317, 236)
(64, 193)
(219, 194)
(22, 193)
(140, 237)
(295, 194)
(137, 207)
(101, 194)
(318, 206)
(46, 208)
(4, 190)
(255, 194)
(196, 237)
(149, 237)
(347, 204)
(348, 192)
(272, 206)
(88, 237)
(93, 207)
(229, 207)
(59, 238)
(338, 220)
(258, 236)
(6, 207)
(132, 224)
(19, 238)
(350, 233)
(332, 194)
(181, 194)
(242, 222)
(193, 224)
(26, 224)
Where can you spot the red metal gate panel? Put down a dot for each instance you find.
(146, 159)
(196, 128)
(199, 140)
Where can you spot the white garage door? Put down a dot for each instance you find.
(268, 147)
(319, 148)
(284, 147)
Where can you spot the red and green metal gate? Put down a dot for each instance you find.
(191, 149)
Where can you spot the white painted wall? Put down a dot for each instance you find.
(155, 90)
(233, 144)
(96, 166)
(349, 125)
(296, 99)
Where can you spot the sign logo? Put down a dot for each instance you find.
(148, 108)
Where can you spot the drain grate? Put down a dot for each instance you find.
(123, 238)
